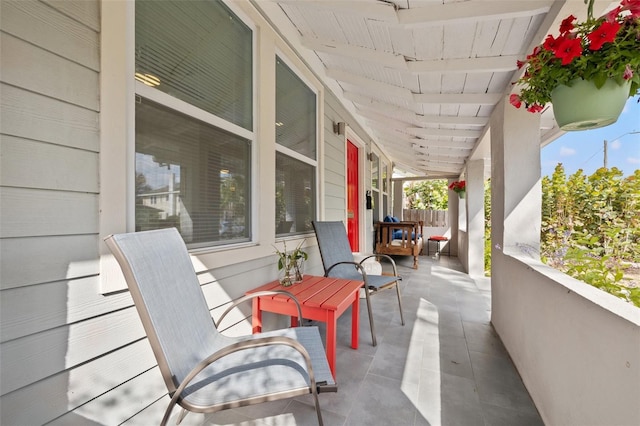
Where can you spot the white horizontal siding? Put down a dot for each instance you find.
(33, 116)
(33, 260)
(55, 304)
(58, 167)
(55, 76)
(31, 212)
(73, 388)
(41, 355)
(57, 33)
(85, 11)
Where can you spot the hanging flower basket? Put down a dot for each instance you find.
(582, 105)
(603, 53)
(460, 187)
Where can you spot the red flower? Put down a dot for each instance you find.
(535, 52)
(569, 49)
(535, 108)
(605, 33)
(628, 73)
(515, 100)
(567, 24)
(520, 63)
(612, 15)
(551, 43)
(458, 186)
(632, 6)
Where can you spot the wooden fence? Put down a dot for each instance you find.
(431, 218)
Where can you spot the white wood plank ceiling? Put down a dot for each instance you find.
(422, 76)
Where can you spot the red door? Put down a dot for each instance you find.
(353, 211)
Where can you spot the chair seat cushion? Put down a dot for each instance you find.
(397, 235)
(438, 238)
(260, 371)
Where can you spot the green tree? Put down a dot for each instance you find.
(590, 227)
(427, 194)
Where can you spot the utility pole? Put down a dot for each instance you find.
(605, 153)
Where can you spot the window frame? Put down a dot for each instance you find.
(315, 163)
(117, 138)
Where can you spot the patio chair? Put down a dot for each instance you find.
(204, 370)
(338, 261)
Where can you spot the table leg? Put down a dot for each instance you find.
(355, 320)
(256, 316)
(331, 340)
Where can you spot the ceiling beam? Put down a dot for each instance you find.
(378, 10)
(457, 98)
(426, 131)
(416, 67)
(393, 135)
(471, 11)
(386, 122)
(373, 109)
(331, 47)
(465, 65)
(370, 85)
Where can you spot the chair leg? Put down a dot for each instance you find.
(182, 415)
(317, 403)
(373, 331)
(399, 302)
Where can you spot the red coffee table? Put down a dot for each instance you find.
(321, 299)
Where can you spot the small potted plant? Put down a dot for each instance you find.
(577, 70)
(291, 264)
(459, 187)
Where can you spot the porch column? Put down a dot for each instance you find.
(475, 217)
(516, 189)
(398, 199)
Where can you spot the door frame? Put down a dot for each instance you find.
(365, 228)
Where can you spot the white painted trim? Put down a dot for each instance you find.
(117, 118)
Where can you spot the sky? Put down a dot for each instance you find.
(585, 149)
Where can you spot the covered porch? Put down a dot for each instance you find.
(446, 366)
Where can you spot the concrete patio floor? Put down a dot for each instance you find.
(446, 366)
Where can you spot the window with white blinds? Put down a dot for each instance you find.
(190, 173)
(199, 52)
(296, 164)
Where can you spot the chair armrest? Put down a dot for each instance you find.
(357, 265)
(258, 294)
(236, 347)
(361, 269)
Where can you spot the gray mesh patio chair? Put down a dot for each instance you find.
(338, 262)
(204, 370)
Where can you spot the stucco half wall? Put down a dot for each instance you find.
(577, 348)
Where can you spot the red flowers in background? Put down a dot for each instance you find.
(595, 50)
(458, 186)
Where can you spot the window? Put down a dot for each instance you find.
(385, 189)
(375, 191)
(194, 121)
(202, 172)
(296, 163)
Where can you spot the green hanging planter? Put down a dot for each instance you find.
(583, 106)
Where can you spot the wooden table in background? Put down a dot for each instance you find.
(321, 299)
